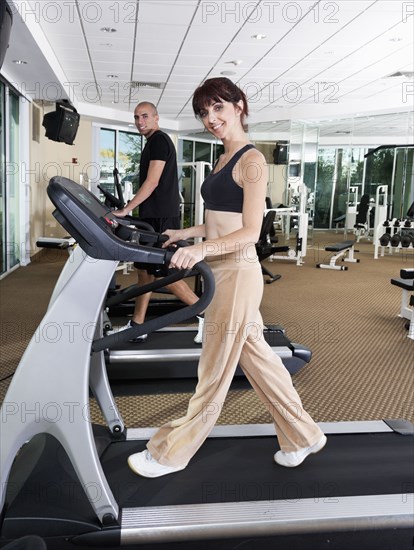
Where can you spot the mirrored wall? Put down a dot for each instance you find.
(331, 158)
(338, 156)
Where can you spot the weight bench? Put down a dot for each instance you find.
(339, 221)
(344, 250)
(406, 283)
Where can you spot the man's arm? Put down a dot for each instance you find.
(151, 182)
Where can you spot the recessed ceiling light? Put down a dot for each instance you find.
(19, 62)
(401, 74)
(228, 73)
(134, 84)
(259, 36)
(108, 29)
(234, 62)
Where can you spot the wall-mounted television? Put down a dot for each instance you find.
(62, 124)
(6, 22)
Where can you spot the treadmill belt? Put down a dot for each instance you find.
(242, 469)
(173, 354)
(47, 494)
(161, 340)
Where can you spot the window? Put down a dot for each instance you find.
(121, 150)
(107, 159)
(9, 180)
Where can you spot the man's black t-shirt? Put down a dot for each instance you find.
(164, 202)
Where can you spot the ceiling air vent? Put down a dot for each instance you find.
(405, 74)
(143, 84)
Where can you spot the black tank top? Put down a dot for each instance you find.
(220, 192)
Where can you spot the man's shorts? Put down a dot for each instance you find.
(159, 225)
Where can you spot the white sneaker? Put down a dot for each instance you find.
(144, 464)
(290, 460)
(125, 327)
(198, 339)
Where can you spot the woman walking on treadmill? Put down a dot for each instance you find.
(234, 195)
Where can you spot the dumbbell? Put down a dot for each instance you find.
(395, 239)
(385, 239)
(407, 239)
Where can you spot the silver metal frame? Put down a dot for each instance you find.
(172, 355)
(54, 376)
(259, 518)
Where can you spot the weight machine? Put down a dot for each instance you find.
(286, 214)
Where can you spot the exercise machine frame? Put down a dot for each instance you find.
(50, 392)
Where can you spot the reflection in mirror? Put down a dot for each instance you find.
(295, 169)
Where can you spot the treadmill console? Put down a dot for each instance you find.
(101, 234)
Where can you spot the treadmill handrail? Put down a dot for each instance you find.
(134, 290)
(172, 318)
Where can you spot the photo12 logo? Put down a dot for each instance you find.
(267, 12)
(291, 92)
(71, 12)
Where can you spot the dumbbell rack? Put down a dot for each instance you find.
(393, 227)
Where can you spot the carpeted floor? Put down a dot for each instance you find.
(362, 365)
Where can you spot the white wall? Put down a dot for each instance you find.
(47, 159)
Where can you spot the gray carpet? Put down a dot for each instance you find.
(362, 365)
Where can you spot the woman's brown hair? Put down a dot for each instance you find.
(216, 90)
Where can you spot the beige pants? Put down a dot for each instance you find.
(234, 335)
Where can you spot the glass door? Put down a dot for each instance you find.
(3, 266)
(9, 180)
(128, 157)
(107, 147)
(13, 196)
(121, 150)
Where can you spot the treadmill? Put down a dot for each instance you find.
(171, 352)
(68, 481)
(120, 301)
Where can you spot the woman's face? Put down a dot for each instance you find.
(220, 118)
